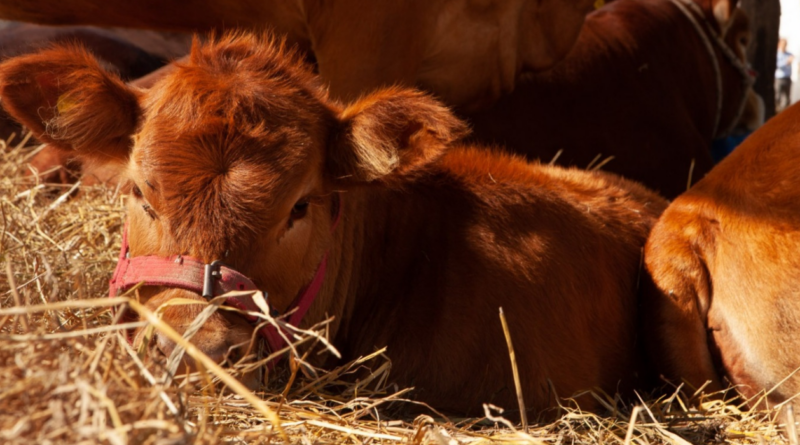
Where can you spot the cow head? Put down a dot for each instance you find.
(740, 102)
(737, 33)
(236, 155)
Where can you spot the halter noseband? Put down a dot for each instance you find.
(707, 35)
(213, 279)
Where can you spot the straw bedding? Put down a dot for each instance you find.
(67, 374)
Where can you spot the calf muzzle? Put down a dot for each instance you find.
(209, 280)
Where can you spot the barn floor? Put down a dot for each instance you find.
(67, 374)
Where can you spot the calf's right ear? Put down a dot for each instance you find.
(68, 100)
(390, 135)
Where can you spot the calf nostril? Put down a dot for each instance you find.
(164, 344)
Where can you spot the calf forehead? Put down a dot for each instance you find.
(240, 82)
(223, 137)
(239, 87)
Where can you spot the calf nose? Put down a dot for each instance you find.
(215, 350)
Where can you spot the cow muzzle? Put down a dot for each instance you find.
(209, 280)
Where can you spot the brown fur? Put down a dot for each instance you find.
(468, 53)
(358, 45)
(639, 85)
(724, 261)
(435, 235)
(129, 53)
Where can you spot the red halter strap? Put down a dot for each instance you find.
(213, 279)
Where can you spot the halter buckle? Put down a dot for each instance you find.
(211, 273)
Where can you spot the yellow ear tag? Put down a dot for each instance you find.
(64, 104)
(599, 4)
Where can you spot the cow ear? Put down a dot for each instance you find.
(389, 136)
(65, 97)
(723, 11)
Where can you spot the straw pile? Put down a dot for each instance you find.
(67, 375)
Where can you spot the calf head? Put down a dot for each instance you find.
(237, 155)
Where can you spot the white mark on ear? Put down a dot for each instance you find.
(722, 12)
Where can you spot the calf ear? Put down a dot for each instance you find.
(390, 135)
(69, 101)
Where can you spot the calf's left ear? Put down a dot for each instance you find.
(388, 136)
(68, 100)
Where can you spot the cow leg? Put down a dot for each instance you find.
(52, 165)
(676, 298)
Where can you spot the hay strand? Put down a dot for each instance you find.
(523, 413)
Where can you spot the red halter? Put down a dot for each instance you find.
(210, 280)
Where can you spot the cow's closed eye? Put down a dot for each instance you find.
(149, 211)
(744, 41)
(137, 193)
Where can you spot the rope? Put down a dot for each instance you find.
(704, 31)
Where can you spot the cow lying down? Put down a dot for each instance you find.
(370, 212)
(725, 260)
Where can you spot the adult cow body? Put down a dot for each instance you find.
(639, 85)
(239, 154)
(724, 260)
(468, 52)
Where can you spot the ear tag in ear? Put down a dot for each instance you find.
(599, 4)
(64, 104)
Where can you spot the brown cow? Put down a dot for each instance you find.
(468, 52)
(239, 154)
(724, 260)
(640, 86)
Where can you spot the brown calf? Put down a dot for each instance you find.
(239, 154)
(724, 260)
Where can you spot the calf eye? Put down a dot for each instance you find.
(137, 192)
(299, 210)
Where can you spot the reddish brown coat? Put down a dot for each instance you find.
(435, 235)
(724, 259)
(129, 53)
(468, 53)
